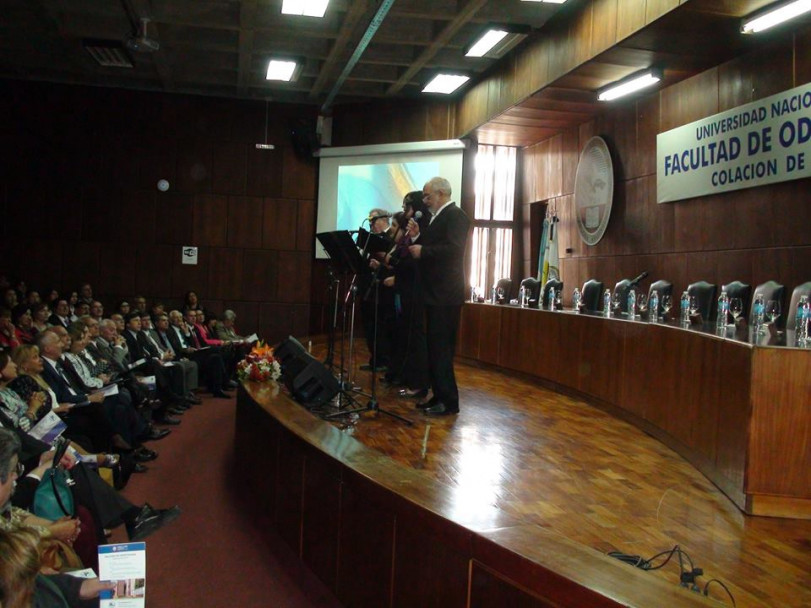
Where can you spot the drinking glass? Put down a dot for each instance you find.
(615, 303)
(500, 294)
(559, 299)
(667, 303)
(773, 310)
(693, 305)
(642, 303)
(736, 308)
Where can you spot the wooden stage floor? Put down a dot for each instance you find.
(562, 464)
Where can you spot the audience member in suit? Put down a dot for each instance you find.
(184, 376)
(139, 305)
(96, 310)
(210, 362)
(440, 249)
(85, 294)
(61, 315)
(139, 348)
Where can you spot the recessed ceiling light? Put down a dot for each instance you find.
(496, 40)
(629, 85)
(775, 16)
(308, 8)
(281, 69)
(445, 83)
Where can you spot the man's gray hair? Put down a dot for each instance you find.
(109, 323)
(9, 447)
(440, 184)
(229, 315)
(43, 337)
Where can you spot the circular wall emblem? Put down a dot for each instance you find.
(593, 190)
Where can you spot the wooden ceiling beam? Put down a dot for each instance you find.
(442, 40)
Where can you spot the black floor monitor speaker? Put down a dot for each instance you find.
(307, 379)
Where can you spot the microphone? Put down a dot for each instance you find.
(637, 279)
(407, 240)
(417, 215)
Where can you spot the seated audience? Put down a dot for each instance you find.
(23, 323)
(40, 314)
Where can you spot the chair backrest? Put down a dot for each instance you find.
(621, 289)
(705, 294)
(791, 311)
(558, 285)
(663, 288)
(591, 295)
(506, 285)
(770, 290)
(736, 289)
(533, 286)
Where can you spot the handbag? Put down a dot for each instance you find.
(53, 498)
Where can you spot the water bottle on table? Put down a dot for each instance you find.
(684, 307)
(758, 312)
(632, 303)
(551, 298)
(576, 299)
(522, 296)
(653, 307)
(607, 303)
(723, 309)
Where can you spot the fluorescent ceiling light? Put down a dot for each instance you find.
(629, 85)
(776, 16)
(445, 83)
(308, 8)
(486, 42)
(281, 69)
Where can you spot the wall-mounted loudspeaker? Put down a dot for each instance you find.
(307, 379)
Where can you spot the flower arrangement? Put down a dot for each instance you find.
(259, 365)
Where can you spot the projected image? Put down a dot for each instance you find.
(383, 186)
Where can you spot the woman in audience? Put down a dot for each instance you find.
(190, 301)
(8, 334)
(32, 297)
(29, 381)
(123, 308)
(23, 324)
(21, 413)
(40, 315)
(73, 300)
(10, 298)
(52, 297)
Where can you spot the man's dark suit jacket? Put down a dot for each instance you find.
(442, 259)
(55, 320)
(60, 387)
(139, 347)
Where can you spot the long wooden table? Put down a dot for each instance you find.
(739, 412)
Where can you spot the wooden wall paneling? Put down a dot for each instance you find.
(229, 161)
(790, 200)
(298, 176)
(210, 220)
(174, 218)
(438, 560)
(656, 8)
(120, 166)
(469, 332)
(802, 56)
(636, 237)
(225, 274)
(689, 100)
(156, 162)
(732, 265)
(516, 324)
(280, 217)
(153, 271)
(260, 275)
(439, 121)
(599, 342)
(490, 590)
(647, 127)
(194, 158)
(630, 17)
(582, 28)
(570, 152)
(751, 206)
(734, 412)
(264, 172)
(771, 265)
(136, 215)
(257, 433)
(531, 68)
(490, 337)
(278, 321)
(780, 381)
(293, 282)
(187, 277)
(604, 25)
(622, 140)
(117, 272)
(40, 258)
(321, 516)
(700, 267)
(366, 549)
(305, 231)
(563, 51)
(245, 221)
(81, 262)
(290, 489)
(96, 213)
(689, 226)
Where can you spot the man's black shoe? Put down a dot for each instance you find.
(155, 434)
(167, 420)
(150, 520)
(192, 399)
(424, 405)
(176, 411)
(230, 384)
(441, 409)
(139, 468)
(144, 455)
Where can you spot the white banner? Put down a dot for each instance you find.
(763, 142)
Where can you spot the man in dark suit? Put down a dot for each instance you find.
(440, 249)
(61, 315)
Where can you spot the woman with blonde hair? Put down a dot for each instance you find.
(19, 566)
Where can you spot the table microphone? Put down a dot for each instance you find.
(637, 279)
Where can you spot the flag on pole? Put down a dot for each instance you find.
(542, 249)
(552, 259)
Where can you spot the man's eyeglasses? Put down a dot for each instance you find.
(20, 470)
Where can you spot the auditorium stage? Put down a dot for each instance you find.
(520, 457)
